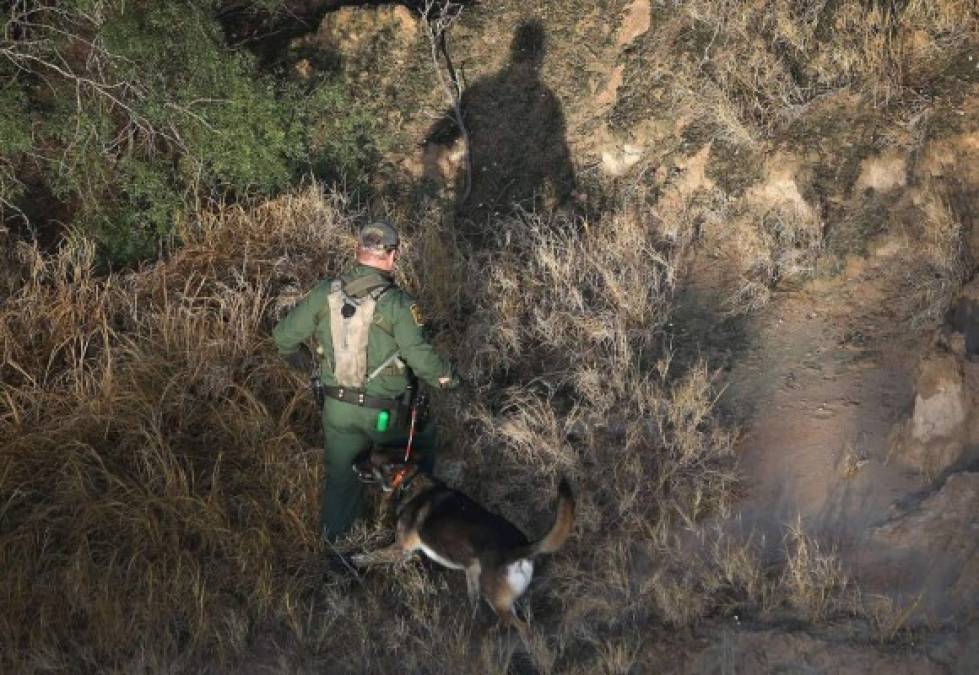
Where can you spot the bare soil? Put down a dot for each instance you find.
(827, 376)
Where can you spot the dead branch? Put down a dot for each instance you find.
(439, 16)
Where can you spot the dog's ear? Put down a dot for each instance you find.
(382, 456)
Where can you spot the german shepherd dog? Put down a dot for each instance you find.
(456, 532)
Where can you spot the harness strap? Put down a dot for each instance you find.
(395, 357)
(363, 285)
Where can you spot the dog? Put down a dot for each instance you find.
(456, 532)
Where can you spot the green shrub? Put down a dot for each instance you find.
(141, 111)
(15, 138)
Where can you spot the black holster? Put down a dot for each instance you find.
(415, 396)
(402, 411)
(316, 386)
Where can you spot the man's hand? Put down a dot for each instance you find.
(301, 359)
(449, 382)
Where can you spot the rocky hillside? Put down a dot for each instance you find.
(814, 169)
(713, 261)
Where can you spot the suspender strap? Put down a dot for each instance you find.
(363, 285)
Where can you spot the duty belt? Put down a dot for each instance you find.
(356, 397)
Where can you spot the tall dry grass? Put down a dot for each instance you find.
(157, 492)
(764, 62)
(159, 464)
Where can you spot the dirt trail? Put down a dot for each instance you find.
(824, 377)
(823, 385)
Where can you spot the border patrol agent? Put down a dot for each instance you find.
(371, 347)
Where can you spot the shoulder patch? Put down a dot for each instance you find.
(416, 314)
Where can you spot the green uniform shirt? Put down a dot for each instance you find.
(396, 327)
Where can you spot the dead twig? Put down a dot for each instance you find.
(439, 16)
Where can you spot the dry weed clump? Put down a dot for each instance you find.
(770, 59)
(709, 571)
(938, 263)
(155, 484)
(814, 581)
(158, 470)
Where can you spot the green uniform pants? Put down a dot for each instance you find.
(348, 430)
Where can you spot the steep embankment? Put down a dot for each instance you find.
(858, 405)
(817, 169)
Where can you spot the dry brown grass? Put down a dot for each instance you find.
(159, 470)
(158, 463)
(814, 581)
(768, 60)
(158, 473)
(154, 486)
(892, 619)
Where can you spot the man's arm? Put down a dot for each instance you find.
(414, 347)
(298, 325)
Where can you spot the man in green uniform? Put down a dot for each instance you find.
(370, 346)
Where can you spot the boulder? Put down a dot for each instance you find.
(882, 173)
(941, 432)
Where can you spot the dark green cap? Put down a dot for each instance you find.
(378, 235)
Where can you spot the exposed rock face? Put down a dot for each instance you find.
(936, 541)
(616, 161)
(941, 401)
(780, 191)
(635, 23)
(942, 430)
(882, 173)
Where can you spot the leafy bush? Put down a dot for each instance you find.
(141, 110)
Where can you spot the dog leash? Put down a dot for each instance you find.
(399, 476)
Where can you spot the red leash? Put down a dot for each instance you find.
(399, 476)
(411, 431)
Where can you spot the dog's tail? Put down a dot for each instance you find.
(560, 530)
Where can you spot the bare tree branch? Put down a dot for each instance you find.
(439, 15)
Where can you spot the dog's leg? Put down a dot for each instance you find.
(406, 542)
(502, 600)
(472, 585)
(388, 555)
(508, 618)
(518, 623)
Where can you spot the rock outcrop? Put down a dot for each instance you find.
(943, 430)
(934, 544)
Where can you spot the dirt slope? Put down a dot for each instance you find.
(826, 380)
(854, 205)
(821, 388)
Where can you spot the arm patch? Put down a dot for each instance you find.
(416, 314)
